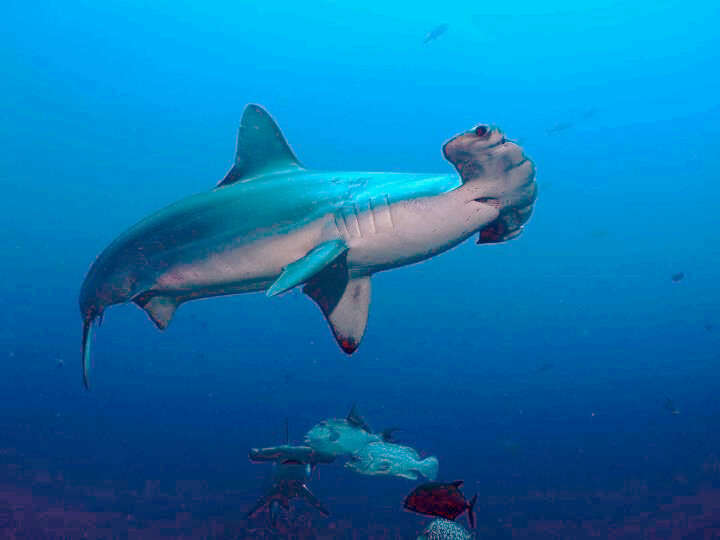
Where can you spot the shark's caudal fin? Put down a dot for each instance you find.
(471, 511)
(261, 148)
(86, 342)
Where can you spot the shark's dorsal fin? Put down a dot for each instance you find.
(357, 420)
(306, 267)
(261, 148)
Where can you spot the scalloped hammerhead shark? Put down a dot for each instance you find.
(271, 224)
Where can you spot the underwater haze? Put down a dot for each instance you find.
(569, 376)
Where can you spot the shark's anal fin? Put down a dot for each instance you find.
(303, 269)
(261, 148)
(344, 302)
(159, 308)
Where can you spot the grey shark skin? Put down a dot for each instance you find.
(271, 225)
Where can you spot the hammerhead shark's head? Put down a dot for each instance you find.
(292, 469)
(271, 225)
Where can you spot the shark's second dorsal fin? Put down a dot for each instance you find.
(261, 148)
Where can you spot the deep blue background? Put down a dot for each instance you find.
(530, 369)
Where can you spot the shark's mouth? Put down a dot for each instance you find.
(506, 226)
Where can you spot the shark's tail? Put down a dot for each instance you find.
(86, 342)
(428, 467)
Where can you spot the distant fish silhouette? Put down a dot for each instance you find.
(435, 33)
(709, 327)
(677, 277)
(560, 126)
(670, 406)
(599, 233)
(547, 366)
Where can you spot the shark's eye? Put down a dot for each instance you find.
(482, 131)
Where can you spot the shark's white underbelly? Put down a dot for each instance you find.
(244, 267)
(407, 231)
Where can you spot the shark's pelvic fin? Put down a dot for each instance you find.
(261, 148)
(344, 302)
(303, 269)
(159, 308)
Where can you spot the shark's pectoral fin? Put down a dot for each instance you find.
(344, 302)
(303, 269)
(159, 308)
(261, 502)
(313, 500)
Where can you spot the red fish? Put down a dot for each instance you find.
(442, 500)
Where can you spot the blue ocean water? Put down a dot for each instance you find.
(544, 372)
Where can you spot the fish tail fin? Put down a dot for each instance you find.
(86, 342)
(471, 511)
(429, 467)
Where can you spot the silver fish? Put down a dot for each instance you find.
(384, 458)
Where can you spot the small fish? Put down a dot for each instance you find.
(560, 126)
(677, 277)
(343, 436)
(444, 529)
(441, 500)
(542, 368)
(435, 33)
(709, 327)
(599, 233)
(670, 406)
(383, 458)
